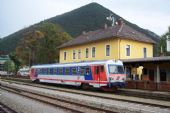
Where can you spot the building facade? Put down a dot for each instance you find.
(3, 59)
(116, 42)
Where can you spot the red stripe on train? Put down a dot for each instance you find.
(84, 81)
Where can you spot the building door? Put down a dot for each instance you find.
(162, 75)
(151, 75)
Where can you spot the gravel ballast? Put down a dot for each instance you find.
(113, 105)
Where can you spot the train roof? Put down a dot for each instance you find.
(116, 62)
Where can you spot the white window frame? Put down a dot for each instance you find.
(129, 49)
(106, 50)
(79, 54)
(86, 54)
(74, 55)
(144, 52)
(65, 53)
(94, 52)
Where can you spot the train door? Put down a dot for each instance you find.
(88, 74)
(99, 73)
(32, 74)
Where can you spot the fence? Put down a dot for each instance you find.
(148, 85)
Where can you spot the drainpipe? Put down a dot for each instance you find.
(157, 76)
(119, 48)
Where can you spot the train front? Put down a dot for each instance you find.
(116, 75)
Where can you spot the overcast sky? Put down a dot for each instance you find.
(17, 14)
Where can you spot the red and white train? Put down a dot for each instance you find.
(100, 74)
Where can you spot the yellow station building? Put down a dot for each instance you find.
(117, 42)
(122, 42)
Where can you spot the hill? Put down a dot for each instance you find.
(86, 18)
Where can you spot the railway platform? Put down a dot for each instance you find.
(163, 95)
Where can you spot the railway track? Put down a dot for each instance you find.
(6, 109)
(62, 103)
(150, 102)
(143, 94)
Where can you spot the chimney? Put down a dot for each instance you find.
(105, 26)
(120, 21)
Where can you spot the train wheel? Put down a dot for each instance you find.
(86, 86)
(115, 89)
(107, 89)
(36, 81)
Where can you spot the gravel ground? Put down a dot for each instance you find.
(25, 105)
(121, 106)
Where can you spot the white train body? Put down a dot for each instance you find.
(108, 73)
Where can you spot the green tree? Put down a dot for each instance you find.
(39, 45)
(9, 66)
(162, 47)
(16, 61)
(53, 37)
(28, 47)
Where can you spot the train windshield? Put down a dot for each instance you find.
(116, 69)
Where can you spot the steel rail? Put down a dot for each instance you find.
(94, 94)
(56, 101)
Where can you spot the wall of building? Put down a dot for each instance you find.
(100, 51)
(136, 49)
(117, 50)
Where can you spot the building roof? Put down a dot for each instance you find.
(151, 59)
(3, 58)
(121, 30)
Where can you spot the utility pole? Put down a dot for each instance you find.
(168, 43)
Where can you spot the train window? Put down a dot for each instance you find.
(60, 72)
(45, 71)
(67, 71)
(38, 71)
(101, 68)
(115, 69)
(42, 71)
(74, 71)
(48, 71)
(51, 71)
(82, 70)
(87, 71)
(96, 70)
(54, 71)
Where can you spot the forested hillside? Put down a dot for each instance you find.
(86, 18)
(40, 44)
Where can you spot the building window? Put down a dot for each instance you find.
(79, 54)
(107, 50)
(127, 50)
(65, 55)
(144, 52)
(74, 54)
(87, 52)
(93, 52)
